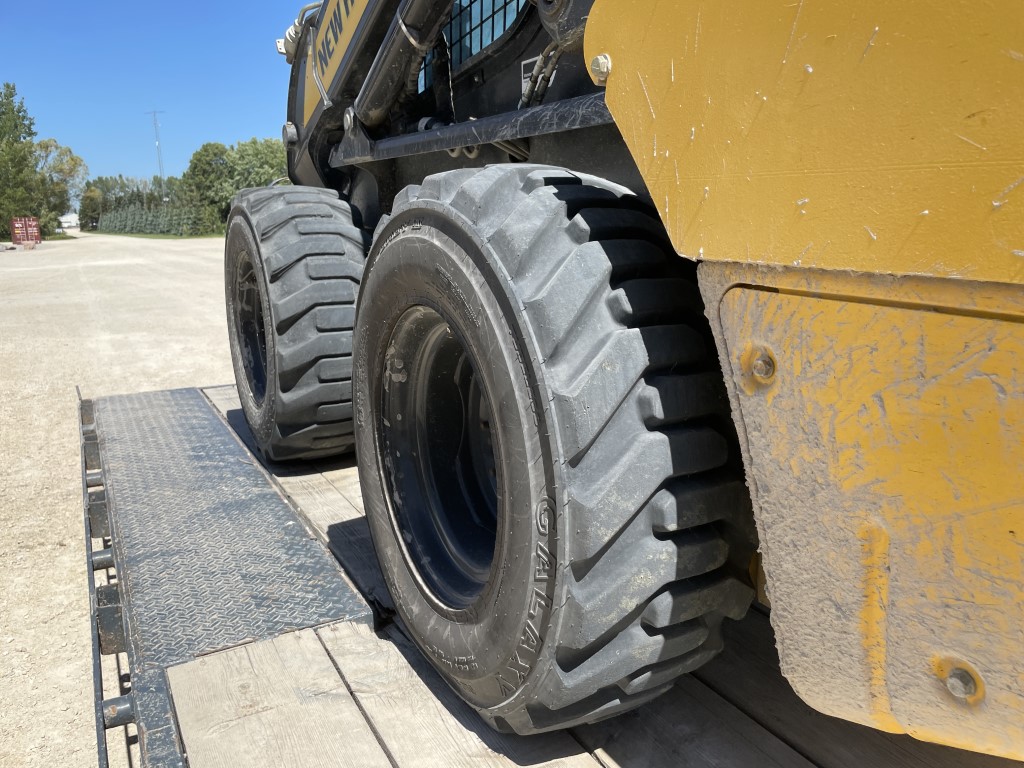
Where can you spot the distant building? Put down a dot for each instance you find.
(69, 221)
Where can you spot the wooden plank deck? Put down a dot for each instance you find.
(271, 703)
(736, 711)
(421, 719)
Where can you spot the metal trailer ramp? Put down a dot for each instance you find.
(202, 553)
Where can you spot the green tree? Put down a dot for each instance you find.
(216, 172)
(18, 185)
(91, 207)
(207, 181)
(173, 192)
(196, 204)
(60, 178)
(38, 179)
(257, 162)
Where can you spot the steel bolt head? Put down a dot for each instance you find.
(961, 683)
(763, 366)
(601, 67)
(290, 134)
(348, 119)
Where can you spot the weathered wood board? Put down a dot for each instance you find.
(277, 702)
(420, 719)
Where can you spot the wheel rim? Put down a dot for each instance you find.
(252, 334)
(441, 478)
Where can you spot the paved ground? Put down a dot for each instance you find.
(113, 315)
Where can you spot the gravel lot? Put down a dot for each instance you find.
(112, 315)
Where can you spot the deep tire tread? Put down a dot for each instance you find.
(655, 495)
(313, 255)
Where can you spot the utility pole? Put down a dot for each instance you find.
(159, 152)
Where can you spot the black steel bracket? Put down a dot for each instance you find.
(105, 614)
(566, 115)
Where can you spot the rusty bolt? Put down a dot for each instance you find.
(763, 366)
(601, 67)
(961, 683)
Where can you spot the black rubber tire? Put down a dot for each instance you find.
(292, 358)
(625, 530)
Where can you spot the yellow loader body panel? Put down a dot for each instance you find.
(852, 178)
(328, 48)
(877, 136)
(884, 455)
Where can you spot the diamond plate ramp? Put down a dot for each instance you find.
(208, 553)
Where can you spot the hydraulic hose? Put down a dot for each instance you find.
(289, 45)
(538, 70)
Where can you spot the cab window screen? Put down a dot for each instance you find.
(474, 25)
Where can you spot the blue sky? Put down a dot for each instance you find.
(89, 72)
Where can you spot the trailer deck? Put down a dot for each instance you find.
(252, 627)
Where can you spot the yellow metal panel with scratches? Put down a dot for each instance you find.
(875, 136)
(885, 458)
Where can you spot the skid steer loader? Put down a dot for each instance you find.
(634, 312)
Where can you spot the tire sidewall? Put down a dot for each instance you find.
(240, 238)
(425, 257)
